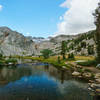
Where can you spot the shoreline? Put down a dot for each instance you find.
(78, 71)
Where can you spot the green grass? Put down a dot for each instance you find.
(84, 57)
(2, 62)
(54, 60)
(87, 63)
(87, 70)
(51, 60)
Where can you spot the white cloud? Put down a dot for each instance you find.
(1, 7)
(61, 18)
(66, 4)
(78, 18)
(27, 34)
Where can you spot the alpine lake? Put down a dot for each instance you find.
(40, 81)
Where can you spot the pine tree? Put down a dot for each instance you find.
(97, 23)
(46, 53)
(63, 49)
(59, 61)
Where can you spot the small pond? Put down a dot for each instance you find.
(38, 81)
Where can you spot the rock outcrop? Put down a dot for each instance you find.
(14, 43)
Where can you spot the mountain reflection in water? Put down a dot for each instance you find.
(40, 82)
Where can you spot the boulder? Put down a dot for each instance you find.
(98, 80)
(76, 73)
(87, 75)
(91, 81)
(89, 89)
(98, 66)
(64, 67)
(93, 85)
(97, 75)
(79, 66)
(10, 63)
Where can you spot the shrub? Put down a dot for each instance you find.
(63, 49)
(71, 56)
(87, 70)
(11, 60)
(1, 62)
(59, 61)
(83, 44)
(1, 56)
(80, 70)
(90, 49)
(87, 63)
(10, 56)
(46, 53)
(78, 48)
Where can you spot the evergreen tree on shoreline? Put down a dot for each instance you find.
(97, 23)
(63, 49)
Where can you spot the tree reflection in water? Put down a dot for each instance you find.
(38, 81)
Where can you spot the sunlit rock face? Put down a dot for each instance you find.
(14, 43)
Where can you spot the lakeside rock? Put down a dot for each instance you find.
(78, 66)
(87, 75)
(98, 66)
(64, 67)
(98, 80)
(76, 73)
(94, 88)
(93, 85)
(97, 75)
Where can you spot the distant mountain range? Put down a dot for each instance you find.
(14, 43)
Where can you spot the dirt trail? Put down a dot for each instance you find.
(91, 68)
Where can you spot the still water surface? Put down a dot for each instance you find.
(40, 82)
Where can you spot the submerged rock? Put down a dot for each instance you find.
(80, 76)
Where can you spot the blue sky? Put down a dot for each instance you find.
(37, 17)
